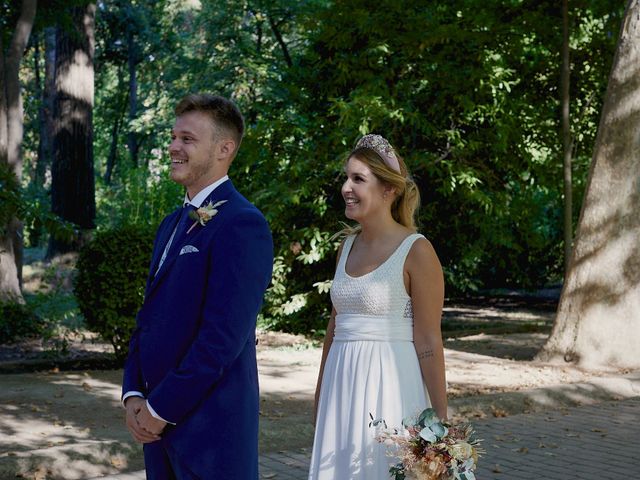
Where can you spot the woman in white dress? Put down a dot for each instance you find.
(383, 344)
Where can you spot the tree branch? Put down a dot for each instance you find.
(283, 46)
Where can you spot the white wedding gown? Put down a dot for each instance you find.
(372, 367)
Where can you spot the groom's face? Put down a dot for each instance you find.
(192, 150)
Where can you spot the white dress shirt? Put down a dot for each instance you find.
(197, 202)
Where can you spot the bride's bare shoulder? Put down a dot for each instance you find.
(422, 257)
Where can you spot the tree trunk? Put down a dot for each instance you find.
(38, 89)
(45, 114)
(132, 140)
(11, 134)
(115, 130)
(113, 151)
(598, 320)
(566, 138)
(73, 185)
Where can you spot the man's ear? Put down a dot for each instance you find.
(227, 148)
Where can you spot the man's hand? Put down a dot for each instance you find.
(141, 431)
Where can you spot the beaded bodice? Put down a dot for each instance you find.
(380, 292)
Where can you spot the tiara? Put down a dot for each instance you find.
(382, 147)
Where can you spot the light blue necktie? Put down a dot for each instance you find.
(180, 232)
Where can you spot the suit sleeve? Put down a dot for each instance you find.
(132, 377)
(241, 262)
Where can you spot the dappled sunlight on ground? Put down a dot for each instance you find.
(109, 390)
(490, 314)
(70, 425)
(63, 425)
(515, 346)
(77, 460)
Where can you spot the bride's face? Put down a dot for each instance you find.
(363, 192)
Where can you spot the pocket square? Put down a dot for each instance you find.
(188, 249)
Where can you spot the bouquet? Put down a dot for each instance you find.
(430, 449)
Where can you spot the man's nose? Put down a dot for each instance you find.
(174, 146)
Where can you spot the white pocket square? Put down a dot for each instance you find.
(188, 249)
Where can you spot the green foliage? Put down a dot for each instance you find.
(468, 94)
(61, 319)
(112, 270)
(38, 220)
(10, 195)
(57, 308)
(29, 206)
(18, 321)
(467, 91)
(144, 199)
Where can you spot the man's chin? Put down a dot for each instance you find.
(179, 179)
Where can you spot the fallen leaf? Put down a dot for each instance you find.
(498, 412)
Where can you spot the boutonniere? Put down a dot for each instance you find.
(204, 214)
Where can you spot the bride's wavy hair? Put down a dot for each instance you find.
(405, 205)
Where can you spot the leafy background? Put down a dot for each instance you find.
(467, 91)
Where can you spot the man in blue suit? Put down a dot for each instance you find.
(190, 384)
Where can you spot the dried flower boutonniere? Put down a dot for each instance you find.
(204, 214)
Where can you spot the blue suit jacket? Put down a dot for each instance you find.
(193, 351)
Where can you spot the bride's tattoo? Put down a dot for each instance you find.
(425, 354)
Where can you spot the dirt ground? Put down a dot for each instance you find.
(60, 418)
(69, 424)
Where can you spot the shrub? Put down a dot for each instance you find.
(109, 287)
(18, 321)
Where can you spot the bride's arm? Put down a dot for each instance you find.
(426, 289)
(328, 339)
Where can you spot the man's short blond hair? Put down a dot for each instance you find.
(225, 115)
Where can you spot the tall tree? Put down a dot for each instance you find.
(132, 62)
(45, 91)
(73, 185)
(566, 137)
(115, 130)
(598, 320)
(11, 134)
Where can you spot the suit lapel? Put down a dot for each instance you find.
(163, 237)
(223, 192)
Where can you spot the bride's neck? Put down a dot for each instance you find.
(377, 228)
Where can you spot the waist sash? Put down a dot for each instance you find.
(354, 327)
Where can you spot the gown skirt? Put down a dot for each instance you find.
(372, 368)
